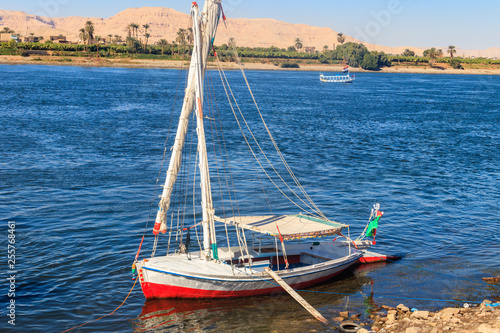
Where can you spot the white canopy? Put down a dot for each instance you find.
(290, 226)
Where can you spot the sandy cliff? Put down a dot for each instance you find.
(165, 22)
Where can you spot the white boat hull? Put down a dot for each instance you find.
(337, 79)
(174, 276)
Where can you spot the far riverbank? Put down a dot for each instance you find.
(176, 64)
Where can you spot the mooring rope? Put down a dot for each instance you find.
(109, 314)
(447, 275)
(391, 296)
(270, 281)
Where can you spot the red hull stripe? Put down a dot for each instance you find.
(366, 260)
(154, 290)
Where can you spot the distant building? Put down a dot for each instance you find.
(309, 49)
(31, 39)
(16, 37)
(59, 39)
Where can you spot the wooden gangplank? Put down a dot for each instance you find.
(296, 296)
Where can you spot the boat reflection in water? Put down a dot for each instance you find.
(351, 291)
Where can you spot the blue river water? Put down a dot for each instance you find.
(81, 149)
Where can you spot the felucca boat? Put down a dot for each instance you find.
(282, 247)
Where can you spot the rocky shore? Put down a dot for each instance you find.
(484, 318)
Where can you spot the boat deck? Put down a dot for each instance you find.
(232, 262)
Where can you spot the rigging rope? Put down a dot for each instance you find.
(225, 82)
(228, 88)
(220, 149)
(316, 208)
(243, 248)
(210, 97)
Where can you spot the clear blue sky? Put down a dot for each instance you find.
(423, 23)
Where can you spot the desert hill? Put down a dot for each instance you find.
(165, 22)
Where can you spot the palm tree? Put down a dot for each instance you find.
(89, 29)
(146, 36)
(298, 44)
(129, 29)
(133, 42)
(32, 34)
(408, 53)
(135, 29)
(118, 39)
(181, 39)
(97, 39)
(83, 36)
(190, 36)
(325, 48)
(433, 53)
(452, 50)
(130, 40)
(132, 29)
(110, 38)
(162, 43)
(340, 38)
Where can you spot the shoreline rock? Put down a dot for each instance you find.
(484, 318)
(481, 319)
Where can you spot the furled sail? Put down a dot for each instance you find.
(209, 22)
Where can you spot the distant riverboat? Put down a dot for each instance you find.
(338, 78)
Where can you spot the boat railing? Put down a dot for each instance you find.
(336, 78)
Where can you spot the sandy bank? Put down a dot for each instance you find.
(175, 64)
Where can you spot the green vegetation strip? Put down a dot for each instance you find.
(353, 54)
